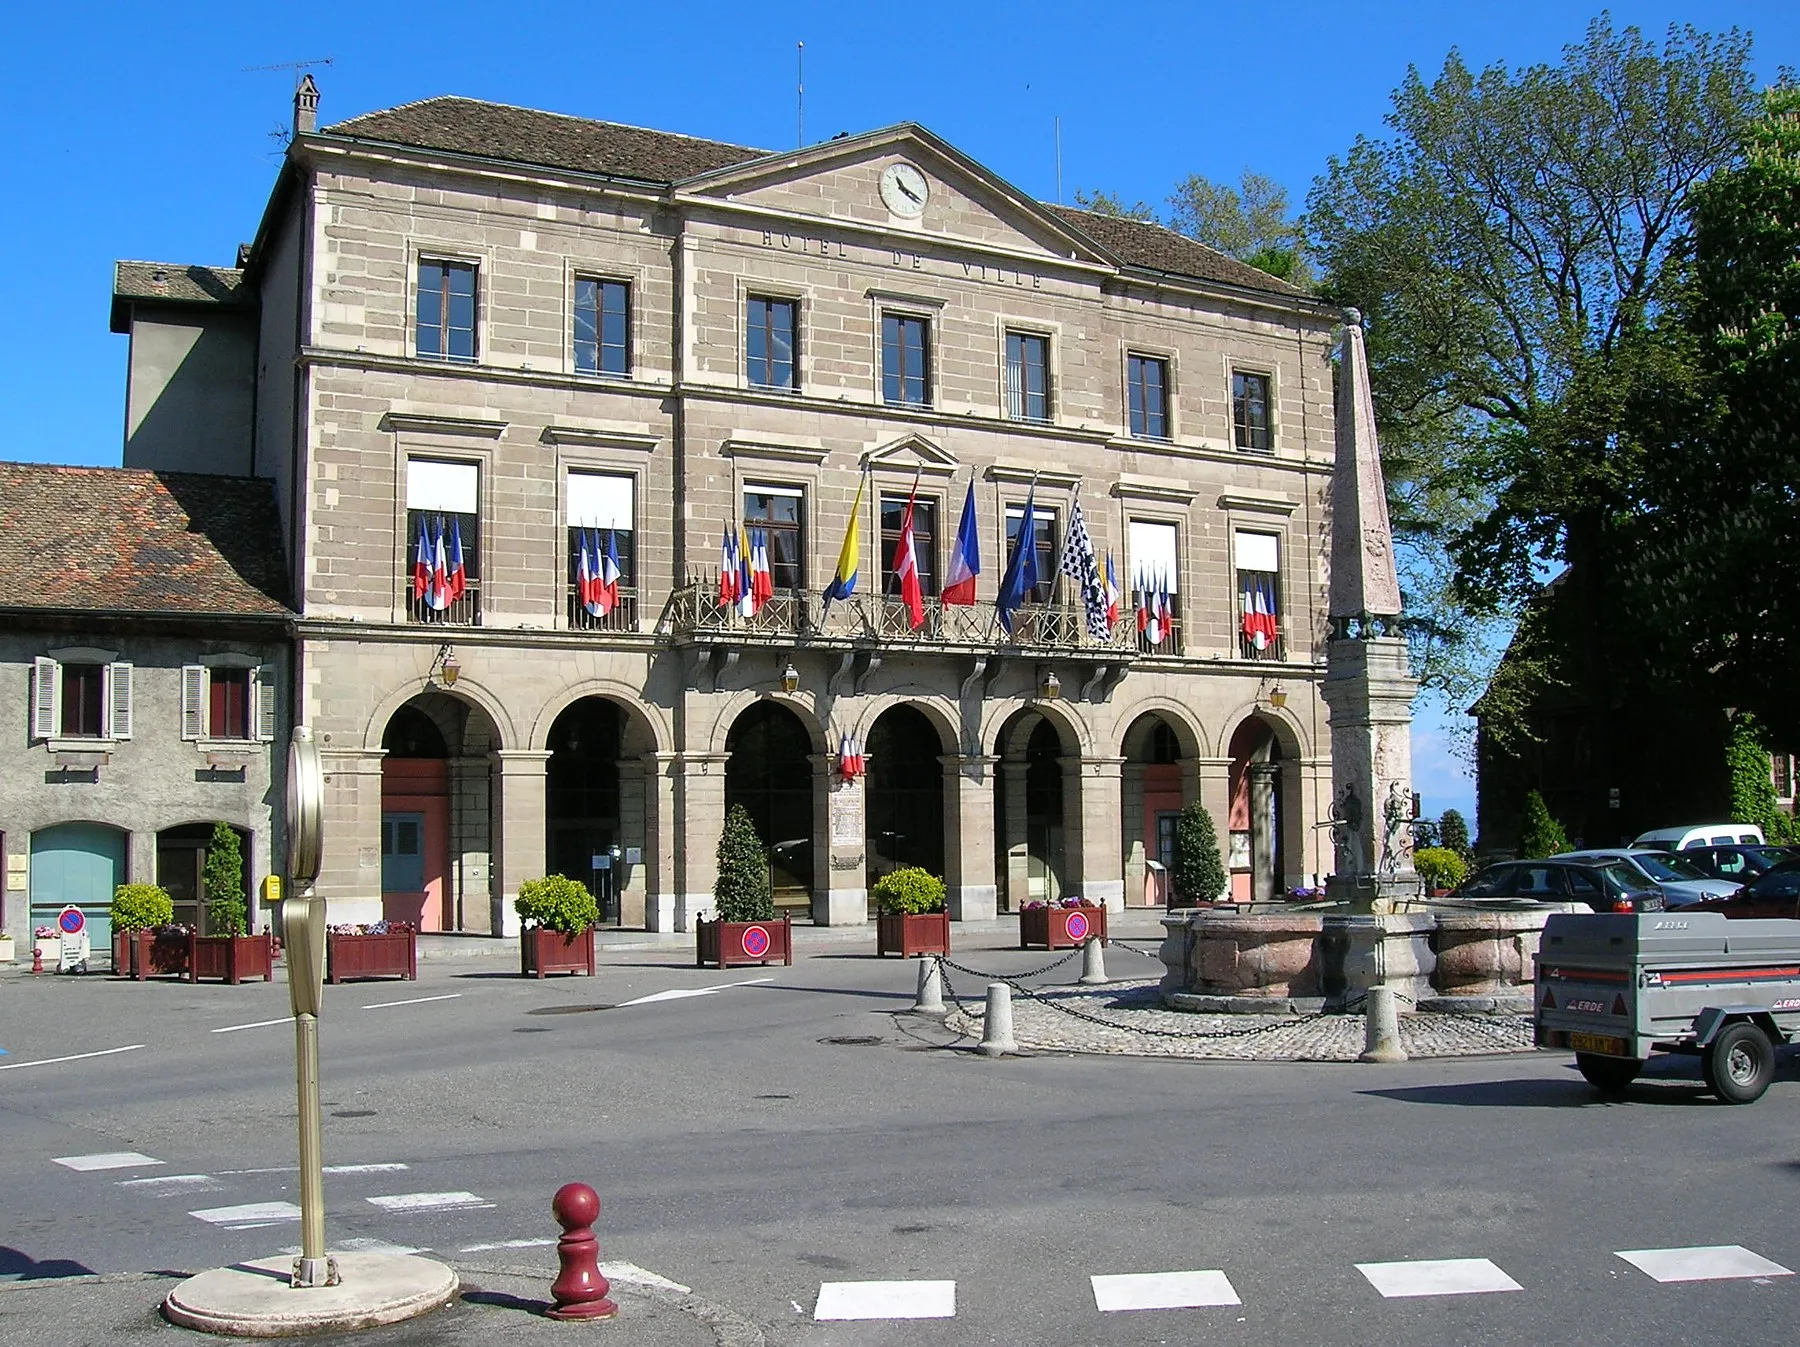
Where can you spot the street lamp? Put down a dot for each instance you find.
(790, 679)
(1049, 685)
(447, 666)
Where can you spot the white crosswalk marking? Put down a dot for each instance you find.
(416, 1202)
(249, 1215)
(105, 1160)
(1703, 1263)
(174, 1183)
(357, 1246)
(886, 1300)
(1162, 1291)
(1437, 1277)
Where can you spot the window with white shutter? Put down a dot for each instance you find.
(46, 698)
(265, 703)
(118, 701)
(193, 701)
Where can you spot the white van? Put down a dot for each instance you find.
(1701, 835)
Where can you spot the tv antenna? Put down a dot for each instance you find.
(295, 66)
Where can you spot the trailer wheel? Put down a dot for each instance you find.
(1740, 1063)
(1609, 1075)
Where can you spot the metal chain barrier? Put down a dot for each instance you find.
(1011, 977)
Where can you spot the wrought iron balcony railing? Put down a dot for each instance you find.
(463, 611)
(623, 617)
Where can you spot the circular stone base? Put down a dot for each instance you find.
(254, 1300)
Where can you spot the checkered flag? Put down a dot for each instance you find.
(1081, 565)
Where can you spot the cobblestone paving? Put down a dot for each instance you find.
(1137, 1025)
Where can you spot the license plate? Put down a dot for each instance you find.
(1600, 1043)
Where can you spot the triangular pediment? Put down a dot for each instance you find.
(912, 453)
(841, 181)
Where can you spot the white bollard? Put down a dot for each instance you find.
(1381, 1036)
(996, 1025)
(930, 999)
(1093, 962)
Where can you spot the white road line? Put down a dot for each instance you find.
(1162, 1291)
(682, 993)
(509, 1244)
(1705, 1263)
(1437, 1277)
(259, 1024)
(358, 1245)
(631, 1272)
(886, 1300)
(75, 1057)
(249, 1216)
(416, 1001)
(416, 1202)
(105, 1160)
(194, 1183)
(390, 1167)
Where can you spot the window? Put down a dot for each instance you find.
(80, 694)
(602, 326)
(1781, 773)
(600, 521)
(1154, 566)
(1027, 377)
(441, 575)
(924, 521)
(446, 317)
(1257, 557)
(771, 346)
(1250, 411)
(905, 360)
(228, 701)
(1044, 526)
(779, 512)
(1147, 380)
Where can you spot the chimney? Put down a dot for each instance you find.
(306, 107)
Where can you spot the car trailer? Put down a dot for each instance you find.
(1614, 989)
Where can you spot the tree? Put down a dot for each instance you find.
(223, 879)
(1542, 835)
(1109, 203)
(1752, 787)
(1252, 222)
(1199, 875)
(1453, 834)
(741, 892)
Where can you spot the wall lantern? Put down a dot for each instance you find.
(447, 666)
(1049, 685)
(1278, 696)
(790, 679)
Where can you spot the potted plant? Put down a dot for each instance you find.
(558, 937)
(745, 929)
(910, 919)
(1063, 924)
(228, 952)
(1440, 868)
(141, 914)
(378, 949)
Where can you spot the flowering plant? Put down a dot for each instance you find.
(1303, 894)
(46, 932)
(1075, 900)
(383, 927)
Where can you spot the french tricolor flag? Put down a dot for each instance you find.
(965, 558)
(606, 583)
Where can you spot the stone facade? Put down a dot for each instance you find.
(487, 694)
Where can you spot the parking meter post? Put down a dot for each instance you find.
(303, 935)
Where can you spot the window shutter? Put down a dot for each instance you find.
(119, 700)
(46, 699)
(193, 701)
(265, 703)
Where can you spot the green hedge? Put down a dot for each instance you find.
(141, 907)
(1440, 867)
(741, 892)
(910, 890)
(557, 903)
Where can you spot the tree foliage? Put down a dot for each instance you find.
(223, 879)
(1453, 834)
(557, 903)
(1542, 835)
(741, 892)
(1109, 203)
(1752, 789)
(1199, 875)
(1252, 222)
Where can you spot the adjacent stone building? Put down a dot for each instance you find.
(144, 650)
(525, 338)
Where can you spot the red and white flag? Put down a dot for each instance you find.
(906, 567)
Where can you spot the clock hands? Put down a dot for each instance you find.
(908, 191)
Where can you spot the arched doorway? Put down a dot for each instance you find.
(1152, 793)
(770, 773)
(1029, 812)
(77, 864)
(436, 824)
(181, 870)
(904, 794)
(1256, 827)
(585, 803)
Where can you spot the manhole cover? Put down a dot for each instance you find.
(566, 1010)
(853, 1040)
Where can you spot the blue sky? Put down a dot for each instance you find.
(136, 131)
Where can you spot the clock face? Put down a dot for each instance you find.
(904, 190)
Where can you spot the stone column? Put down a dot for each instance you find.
(1264, 782)
(1131, 830)
(699, 803)
(661, 773)
(1091, 789)
(518, 827)
(969, 836)
(350, 873)
(1369, 693)
(471, 786)
(840, 832)
(1013, 836)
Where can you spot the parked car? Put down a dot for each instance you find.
(1739, 863)
(1774, 893)
(1687, 835)
(1678, 881)
(1605, 887)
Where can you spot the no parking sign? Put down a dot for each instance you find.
(73, 925)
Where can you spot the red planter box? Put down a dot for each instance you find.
(231, 957)
(542, 951)
(1060, 927)
(725, 943)
(141, 954)
(910, 934)
(392, 955)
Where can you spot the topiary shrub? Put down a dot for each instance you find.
(1542, 835)
(741, 892)
(1752, 787)
(223, 878)
(1199, 875)
(909, 891)
(1440, 867)
(141, 907)
(1453, 834)
(556, 903)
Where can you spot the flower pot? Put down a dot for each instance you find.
(544, 951)
(142, 954)
(910, 934)
(232, 958)
(6, 949)
(1060, 927)
(725, 943)
(391, 954)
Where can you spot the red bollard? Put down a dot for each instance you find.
(37, 958)
(579, 1290)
